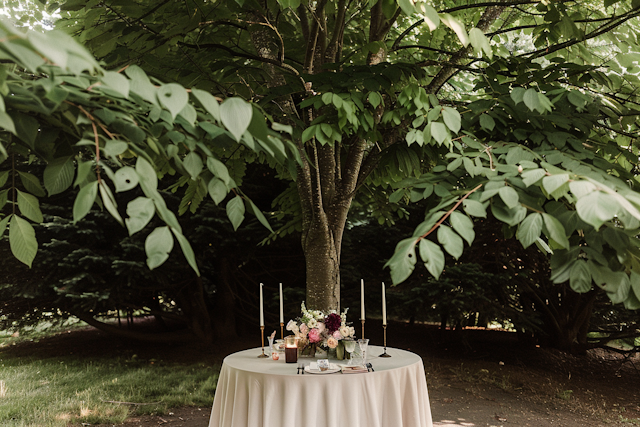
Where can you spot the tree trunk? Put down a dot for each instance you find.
(323, 268)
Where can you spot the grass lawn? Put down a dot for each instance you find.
(36, 390)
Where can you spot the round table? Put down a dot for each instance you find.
(255, 392)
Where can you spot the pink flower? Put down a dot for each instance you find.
(320, 327)
(314, 335)
(304, 329)
(332, 342)
(337, 335)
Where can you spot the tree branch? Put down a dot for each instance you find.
(601, 30)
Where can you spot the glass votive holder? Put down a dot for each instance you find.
(290, 349)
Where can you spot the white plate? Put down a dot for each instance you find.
(333, 368)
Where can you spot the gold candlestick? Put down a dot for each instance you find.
(362, 320)
(385, 343)
(262, 336)
(282, 330)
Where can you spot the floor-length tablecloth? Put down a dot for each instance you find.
(254, 392)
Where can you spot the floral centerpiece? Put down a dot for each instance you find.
(318, 329)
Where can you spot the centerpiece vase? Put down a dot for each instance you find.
(340, 351)
(307, 350)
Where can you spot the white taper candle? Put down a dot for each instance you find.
(362, 299)
(281, 306)
(261, 309)
(384, 305)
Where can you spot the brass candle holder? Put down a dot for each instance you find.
(282, 330)
(362, 320)
(385, 354)
(262, 336)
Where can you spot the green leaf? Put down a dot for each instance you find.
(450, 241)
(531, 99)
(236, 114)
(125, 179)
(480, 42)
(553, 182)
(114, 148)
(116, 82)
(529, 229)
(517, 94)
(509, 196)
(487, 122)
(374, 99)
(217, 190)
(109, 201)
(84, 200)
(451, 118)
(580, 277)
(29, 206)
(581, 188)
(430, 15)
(407, 7)
(208, 102)
(403, 260)
(474, 208)
(58, 175)
(22, 240)
(258, 213)
(31, 184)
(432, 256)
(556, 230)
(146, 176)
(439, 132)
(26, 128)
(457, 28)
(634, 279)
(597, 208)
(140, 211)
(158, 246)
(141, 85)
(463, 225)
(509, 216)
(173, 97)
(235, 211)
(279, 127)
(187, 251)
(6, 123)
(3, 225)
(219, 170)
(532, 176)
(193, 164)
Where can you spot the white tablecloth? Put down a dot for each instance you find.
(254, 392)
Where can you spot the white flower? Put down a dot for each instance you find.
(321, 327)
(292, 326)
(312, 323)
(352, 331)
(345, 331)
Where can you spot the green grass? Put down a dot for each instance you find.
(55, 392)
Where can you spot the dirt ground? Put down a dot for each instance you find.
(486, 379)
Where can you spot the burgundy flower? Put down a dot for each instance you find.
(332, 322)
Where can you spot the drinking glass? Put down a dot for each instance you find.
(363, 343)
(350, 346)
